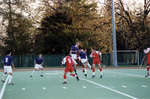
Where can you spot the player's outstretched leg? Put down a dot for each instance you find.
(3, 77)
(77, 77)
(85, 72)
(32, 73)
(41, 71)
(101, 71)
(93, 69)
(65, 78)
(89, 65)
(10, 79)
(74, 75)
(147, 71)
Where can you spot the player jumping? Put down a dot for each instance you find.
(8, 65)
(68, 61)
(84, 61)
(96, 60)
(147, 52)
(74, 51)
(38, 65)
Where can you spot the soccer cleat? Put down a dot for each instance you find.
(3, 81)
(77, 78)
(41, 75)
(11, 84)
(101, 76)
(85, 75)
(93, 76)
(64, 82)
(146, 75)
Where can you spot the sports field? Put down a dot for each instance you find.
(115, 84)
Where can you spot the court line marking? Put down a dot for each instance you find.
(110, 89)
(51, 73)
(3, 88)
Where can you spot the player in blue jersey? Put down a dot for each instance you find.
(8, 65)
(84, 60)
(38, 65)
(74, 54)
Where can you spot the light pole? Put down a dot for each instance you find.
(114, 37)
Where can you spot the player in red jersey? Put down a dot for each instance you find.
(68, 61)
(147, 52)
(96, 61)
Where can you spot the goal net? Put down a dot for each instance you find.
(128, 57)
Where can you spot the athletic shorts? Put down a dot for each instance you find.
(74, 56)
(69, 69)
(96, 62)
(148, 64)
(7, 69)
(83, 61)
(38, 66)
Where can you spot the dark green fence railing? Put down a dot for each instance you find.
(55, 60)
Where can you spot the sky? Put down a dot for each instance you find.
(132, 4)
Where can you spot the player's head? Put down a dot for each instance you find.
(8, 53)
(85, 50)
(92, 49)
(40, 55)
(77, 44)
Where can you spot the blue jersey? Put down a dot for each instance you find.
(83, 55)
(7, 60)
(39, 60)
(74, 49)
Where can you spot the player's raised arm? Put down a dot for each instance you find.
(63, 61)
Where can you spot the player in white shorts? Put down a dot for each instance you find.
(84, 61)
(8, 65)
(74, 51)
(38, 65)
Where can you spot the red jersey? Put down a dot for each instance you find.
(147, 52)
(96, 57)
(148, 58)
(68, 61)
(69, 64)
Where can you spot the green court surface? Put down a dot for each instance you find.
(115, 84)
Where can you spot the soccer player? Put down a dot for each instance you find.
(68, 61)
(38, 65)
(147, 52)
(84, 61)
(8, 65)
(96, 61)
(74, 54)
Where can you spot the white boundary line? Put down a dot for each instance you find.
(3, 88)
(113, 90)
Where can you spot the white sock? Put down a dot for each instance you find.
(101, 73)
(93, 73)
(32, 72)
(10, 79)
(85, 70)
(41, 72)
(89, 65)
(3, 76)
(65, 80)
